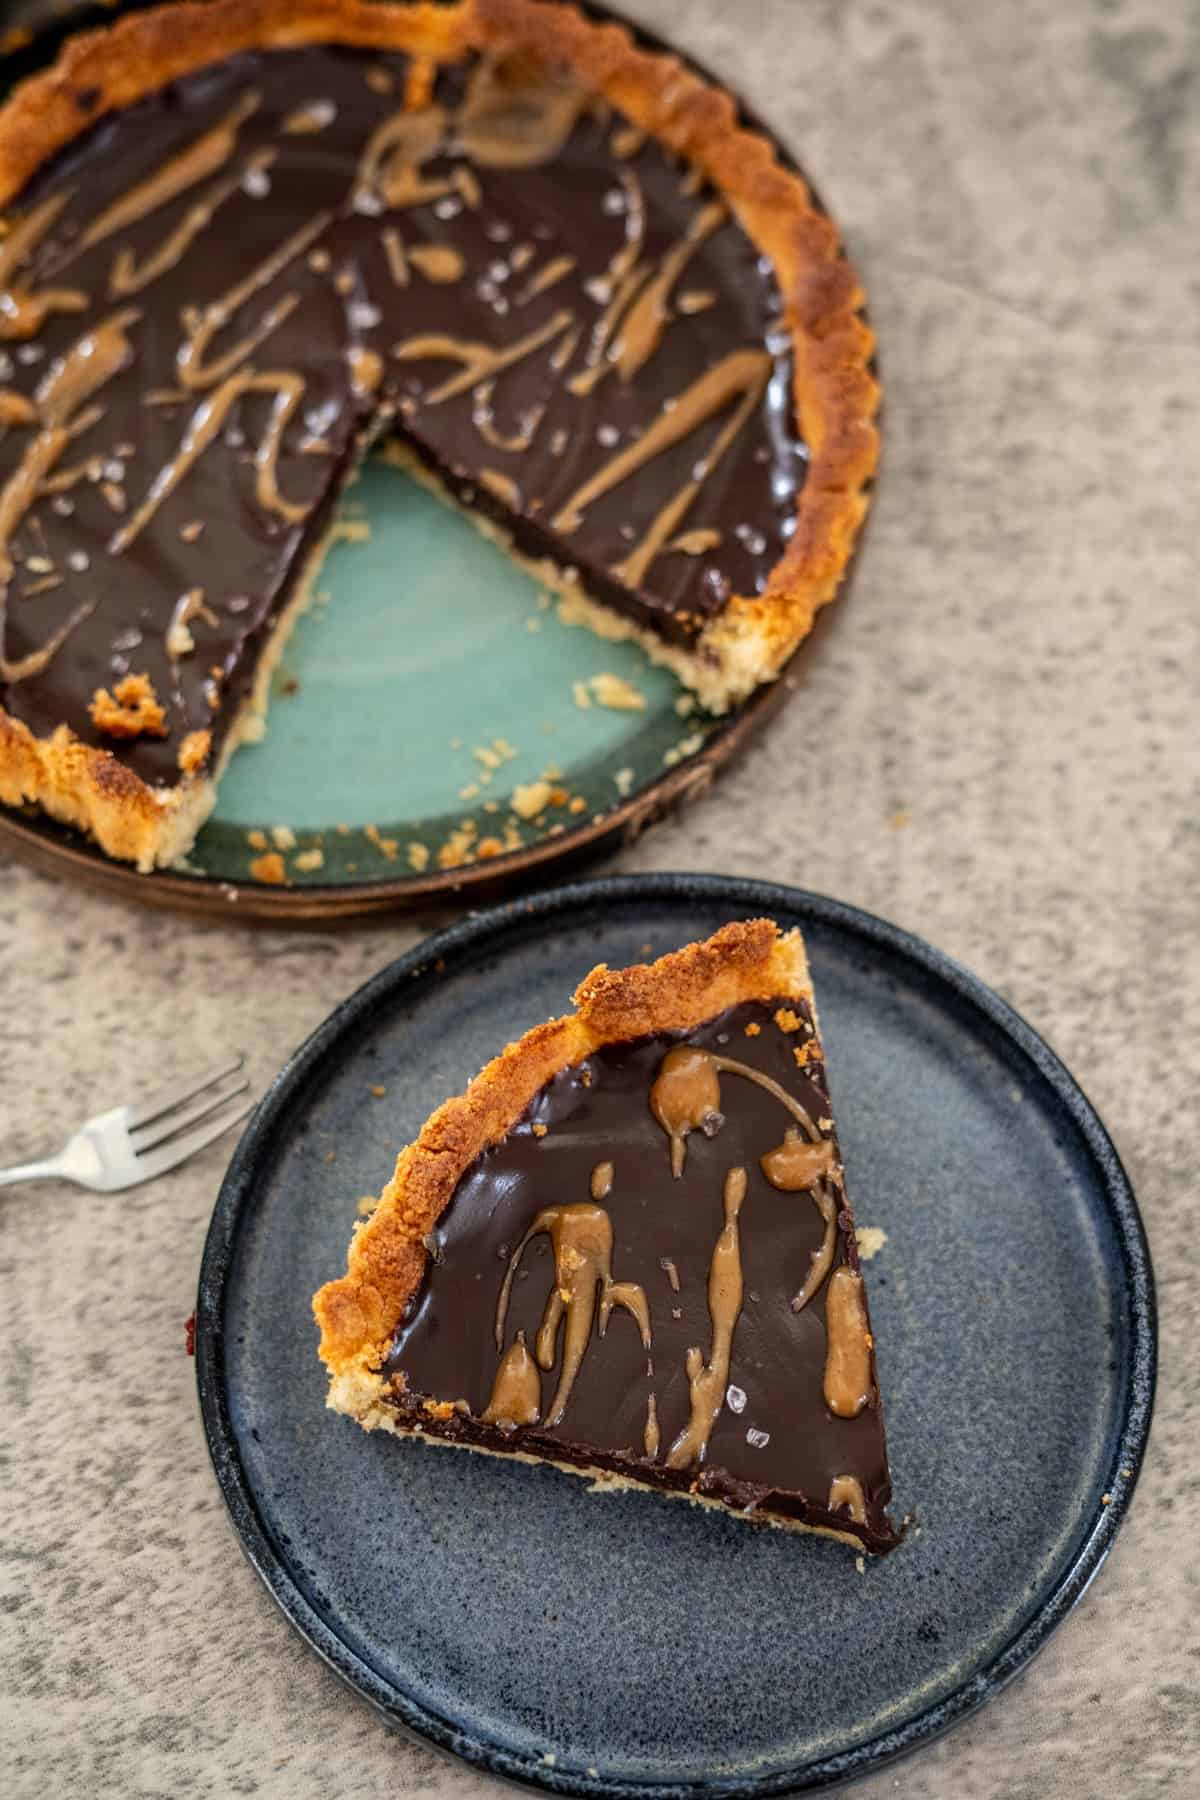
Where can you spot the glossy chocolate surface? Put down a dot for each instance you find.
(775, 1445)
(319, 267)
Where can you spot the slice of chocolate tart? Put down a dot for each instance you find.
(242, 242)
(627, 1250)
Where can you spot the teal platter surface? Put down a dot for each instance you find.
(430, 684)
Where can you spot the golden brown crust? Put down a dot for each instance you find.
(87, 788)
(358, 1314)
(836, 394)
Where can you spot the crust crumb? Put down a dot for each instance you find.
(193, 752)
(308, 860)
(616, 693)
(459, 846)
(133, 710)
(539, 1131)
(418, 856)
(256, 839)
(871, 1240)
(269, 868)
(752, 1029)
(806, 1053)
(787, 1020)
(283, 837)
(531, 799)
(388, 847)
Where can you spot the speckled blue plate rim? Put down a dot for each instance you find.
(965, 991)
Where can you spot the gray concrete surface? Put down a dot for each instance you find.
(1004, 715)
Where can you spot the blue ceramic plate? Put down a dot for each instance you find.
(616, 1645)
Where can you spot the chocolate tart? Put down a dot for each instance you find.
(245, 240)
(626, 1250)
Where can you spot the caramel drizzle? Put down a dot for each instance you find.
(479, 361)
(397, 261)
(708, 1380)
(582, 1239)
(622, 280)
(514, 442)
(595, 367)
(503, 486)
(202, 326)
(686, 1096)
(695, 543)
(90, 469)
(127, 276)
(201, 159)
(41, 658)
(88, 365)
(650, 1437)
(554, 271)
(566, 350)
(631, 327)
(22, 310)
(437, 262)
(189, 606)
(71, 380)
(742, 373)
(516, 1397)
(309, 119)
(203, 427)
(847, 1491)
(643, 326)
(390, 165)
(601, 1181)
(847, 1384)
(419, 79)
(633, 568)
(799, 1167)
(366, 370)
(15, 409)
(510, 123)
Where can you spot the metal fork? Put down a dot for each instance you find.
(118, 1149)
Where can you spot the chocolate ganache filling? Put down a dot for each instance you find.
(210, 301)
(655, 1274)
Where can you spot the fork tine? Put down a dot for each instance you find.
(178, 1092)
(180, 1148)
(144, 1137)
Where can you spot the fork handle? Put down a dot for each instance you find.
(36, 1171)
